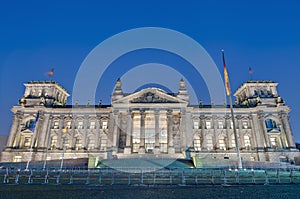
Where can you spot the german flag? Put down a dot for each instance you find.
(227, 85)
(50, 73)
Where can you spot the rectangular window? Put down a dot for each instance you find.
(220, 125)
(104, 125)
(17, 158)
(103, 144)
(196, 125)
(208, 125)
(27, 142)
(209, 143)
(55, 125)
(245, 125)
(80, 125)
(92, 125)
(69, 125)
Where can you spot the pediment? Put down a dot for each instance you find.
(150, 95)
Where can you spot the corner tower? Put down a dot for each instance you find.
(44, 93)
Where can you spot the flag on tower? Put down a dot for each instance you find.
(50, 73)
(250, 72)
(227, 85)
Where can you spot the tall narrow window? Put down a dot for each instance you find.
(208, 125)
(196, 125)
(80, 125)
(27, 142)
(103, 143)
(136, 133)
(91, 143)
(209, 142)
(69, 125)
(222, 144)
(92, 125)
(233, 141)
(55, 125)
(220, 125)
(197, 143)
(149, 132)
(163, 134)
(247, 142)
(104, 125)
(53, 142)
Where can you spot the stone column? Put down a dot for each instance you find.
(115, 131)
(258, 134)
(202, 125)
(183, 130)
(253, 139)
(240, 134)
(228, 134)
(287, 128)
(127, 149)
(61, 126)
(142, 137)
(43, 131)
(13, 131)
(215, 138)
(156, 118)
(262, 127)
(171, 149)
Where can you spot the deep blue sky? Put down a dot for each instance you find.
(36, 36)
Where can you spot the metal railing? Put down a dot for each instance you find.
(151, 176)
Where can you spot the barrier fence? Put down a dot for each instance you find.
(151, 176)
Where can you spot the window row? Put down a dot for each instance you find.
(78, 144)
(220, 125)
(221, 143)
(80, 125)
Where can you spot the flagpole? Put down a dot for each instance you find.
(235, 134)
(228, 92)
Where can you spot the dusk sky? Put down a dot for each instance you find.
(36, 36)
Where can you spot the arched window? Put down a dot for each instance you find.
(197, 143)
(270, 124)
(262, 93)
(255, 93)
(90, 143)
(30, 124)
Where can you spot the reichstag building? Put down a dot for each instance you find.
(149, 123)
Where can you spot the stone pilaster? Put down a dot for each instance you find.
(202, 125)
(127, 149)
(240, 132)
(258, 132)
(263, 129)
(287, 129)
(156, 118)
(13, 131)
(171, 149)
(142, 137)
(115, 131)
(44, 131)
